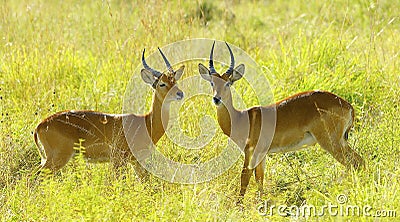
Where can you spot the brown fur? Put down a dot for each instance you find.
(104, 135)
(303, 119)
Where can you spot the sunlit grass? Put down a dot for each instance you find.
(81, 55)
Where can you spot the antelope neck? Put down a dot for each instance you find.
(225, 113)
(157, 119)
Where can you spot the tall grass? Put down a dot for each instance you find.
(81, 55)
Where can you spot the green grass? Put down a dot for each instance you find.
(81, 55)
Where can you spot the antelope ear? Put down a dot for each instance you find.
(178, 73)
(237, 74)
(204, 72)
(148, 77)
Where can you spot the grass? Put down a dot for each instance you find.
(81, 55)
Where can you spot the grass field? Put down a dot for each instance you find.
(59, 55)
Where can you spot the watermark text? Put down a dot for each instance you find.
(340, 208)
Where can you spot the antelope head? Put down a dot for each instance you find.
(221, 83)
(164, 84)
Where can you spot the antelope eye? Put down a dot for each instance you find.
(162, 84)
(212, 84)
(228, 84)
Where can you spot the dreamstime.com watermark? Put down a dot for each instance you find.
(340, 208)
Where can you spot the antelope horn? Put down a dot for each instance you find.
(230, 70)
(169, 67)
(154, 72)
(211, 63)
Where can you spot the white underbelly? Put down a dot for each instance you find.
(307, 140)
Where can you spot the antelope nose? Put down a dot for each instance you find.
(180, 95)
(217, 100)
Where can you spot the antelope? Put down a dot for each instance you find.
(301, 120)
(110, 137)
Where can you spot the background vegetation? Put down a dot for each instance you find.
(57, 55)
